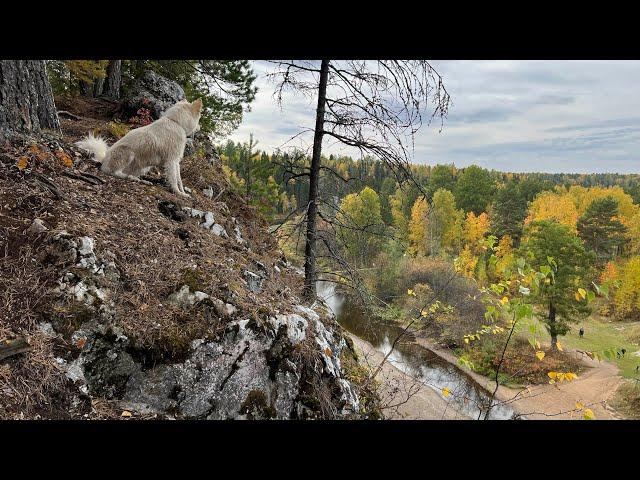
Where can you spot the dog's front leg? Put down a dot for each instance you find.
(173, 176)
(180, 185)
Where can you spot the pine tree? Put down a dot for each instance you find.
(600, 228)
(26, 97)
(557, 298)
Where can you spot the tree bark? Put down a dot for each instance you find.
(552, 326)
(98, 86)
(86, 88)
(314, 175)
(26, 98)
(113, 80)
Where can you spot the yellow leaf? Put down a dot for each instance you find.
(22, 163)
(446, 392)
(504, 300)
(540, 354)
(570, 376)
(579, 405)
(559, 345)
(582, 292)
(588, 414)
(552, 381)
(126, 413)
(411, 292)
(577, 296)
(552, 374)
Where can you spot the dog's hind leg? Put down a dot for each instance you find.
(120, 164)
(120, 174)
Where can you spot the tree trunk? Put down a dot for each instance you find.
(98, 86)
(26, 98)
(86, 88)
(113, 80)
(314, 175)
(552, 326)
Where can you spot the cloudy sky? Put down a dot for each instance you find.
(549, 116)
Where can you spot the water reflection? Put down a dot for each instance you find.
(420, 363)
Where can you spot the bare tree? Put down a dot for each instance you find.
(375, 107)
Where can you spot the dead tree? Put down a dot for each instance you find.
(375, 107)
(26, 98)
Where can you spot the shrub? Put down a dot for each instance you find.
(118, 129)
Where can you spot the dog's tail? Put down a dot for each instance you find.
(95, 145)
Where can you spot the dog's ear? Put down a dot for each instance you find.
(196, 105)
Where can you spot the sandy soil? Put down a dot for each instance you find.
(593, 388)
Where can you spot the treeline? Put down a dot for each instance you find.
(588, 223)
(474, 188)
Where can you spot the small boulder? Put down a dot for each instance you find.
(153, 92)
(36, 228)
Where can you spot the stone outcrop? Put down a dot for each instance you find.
(153, 92)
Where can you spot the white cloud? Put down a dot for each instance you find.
(578, 116)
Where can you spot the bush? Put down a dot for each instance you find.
(118, 129)
(519, 365)
(627, 400)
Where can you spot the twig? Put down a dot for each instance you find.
(92, 179)
(49, 184)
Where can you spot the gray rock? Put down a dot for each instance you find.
(185, 298)
(254, 282)
(225, 310)
(154, 92)
(36, 228)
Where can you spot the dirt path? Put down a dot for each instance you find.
(412, 399)
(594, 388)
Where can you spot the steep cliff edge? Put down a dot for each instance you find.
(137, 303)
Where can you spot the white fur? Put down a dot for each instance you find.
(160, 143)
(95, 145)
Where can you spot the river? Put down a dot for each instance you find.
(466, 395)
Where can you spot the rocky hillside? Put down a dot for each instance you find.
(121, 300)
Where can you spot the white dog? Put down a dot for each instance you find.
(160, 143)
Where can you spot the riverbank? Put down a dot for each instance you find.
(406, 397)
(594, 389)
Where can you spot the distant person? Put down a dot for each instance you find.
(581, 332)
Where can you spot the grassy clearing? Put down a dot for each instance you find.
(599, 334)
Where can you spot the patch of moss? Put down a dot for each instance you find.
(193, 278)
(256, 405)
(358, 374)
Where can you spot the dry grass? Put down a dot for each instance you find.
(153, 261)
